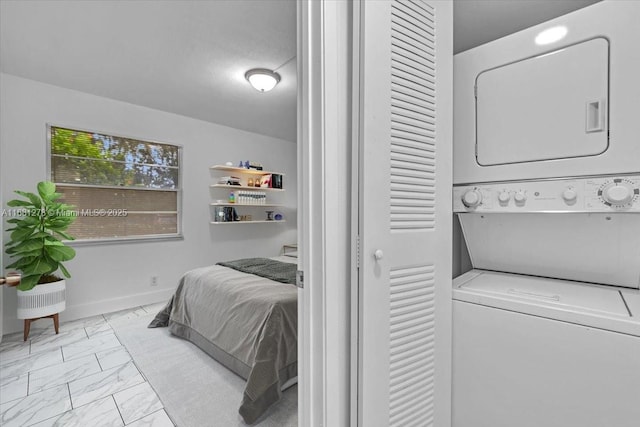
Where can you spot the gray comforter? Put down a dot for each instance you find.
(246, 322)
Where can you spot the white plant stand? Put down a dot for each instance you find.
(44, 301)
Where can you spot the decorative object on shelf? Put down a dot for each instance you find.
(276, 180)
(251, 198)
(37, 250)
(218, 214)
(225, 214)
(269, 215)
(247, 164)
(262, 79)
(231, 214)
(255, 165)
(265, 181)
(278, 217)
(232, 197)
(229, 163)
(250, 182)
(229, 180)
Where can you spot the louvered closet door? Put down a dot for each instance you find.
(404, 213)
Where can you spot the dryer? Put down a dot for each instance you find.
(546, 326)
(526, 108)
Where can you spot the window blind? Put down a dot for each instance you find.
(120, 187)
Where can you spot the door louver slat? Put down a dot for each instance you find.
(411, 73)
(405, 98)
(407, 28)
(425, 116)
(419, 8)
(401, 60)
(402, 84)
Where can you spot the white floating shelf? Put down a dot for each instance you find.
(243, 170)
(267, 205)
(243, 187)
(247, 222)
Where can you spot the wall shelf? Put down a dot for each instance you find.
(244, 187)
(243, 170)
(267, 205)
(243, 195)
(248, 222)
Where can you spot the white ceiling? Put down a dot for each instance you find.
(189, 57)
(185, 57)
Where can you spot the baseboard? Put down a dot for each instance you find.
(73, 312)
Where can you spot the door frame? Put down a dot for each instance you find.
(325, 243)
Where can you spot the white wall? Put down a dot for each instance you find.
(117, 276)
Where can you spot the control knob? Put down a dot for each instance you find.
(617, 193)
(504, 197)
(569, 195)
(520, 197)
(472, 198)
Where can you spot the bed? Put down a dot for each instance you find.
(243, 313)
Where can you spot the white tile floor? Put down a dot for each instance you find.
(81, 377)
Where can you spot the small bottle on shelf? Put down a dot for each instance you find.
(232, 197)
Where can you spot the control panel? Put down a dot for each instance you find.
(593, 194)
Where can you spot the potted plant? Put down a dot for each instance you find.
(37, 250)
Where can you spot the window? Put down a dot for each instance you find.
(122, 188)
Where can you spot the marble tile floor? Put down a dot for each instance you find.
(81, 377)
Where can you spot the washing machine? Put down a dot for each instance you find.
(546, 324)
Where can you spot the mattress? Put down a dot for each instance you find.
(246, 322)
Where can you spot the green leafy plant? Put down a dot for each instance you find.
(35, 243)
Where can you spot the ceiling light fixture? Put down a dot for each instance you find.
(262, 79)
(551, 35)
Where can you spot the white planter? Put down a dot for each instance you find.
(42, 300)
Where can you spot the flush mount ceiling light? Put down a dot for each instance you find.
(262, 79)
(551, 35)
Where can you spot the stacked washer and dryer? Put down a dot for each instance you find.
(546, 327)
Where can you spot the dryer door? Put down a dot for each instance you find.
(551, 106)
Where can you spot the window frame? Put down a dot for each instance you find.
(125, 239)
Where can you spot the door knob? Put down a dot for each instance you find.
(378, 254)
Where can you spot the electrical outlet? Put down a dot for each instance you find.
(154, 280)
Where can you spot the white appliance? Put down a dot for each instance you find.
(569, 108)
(546, 326)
